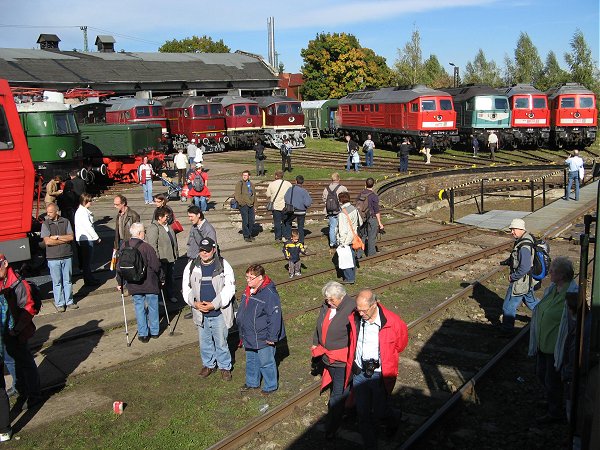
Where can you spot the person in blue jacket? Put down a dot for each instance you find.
(260, 325)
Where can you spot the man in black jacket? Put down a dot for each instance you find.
(351, 149)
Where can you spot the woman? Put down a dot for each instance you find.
(348, 223)
(53, 190)
(145, 172)
(86, 236)
(198, 188)
(330, 341)
(260, 325)
(548, 331)
(161, 200)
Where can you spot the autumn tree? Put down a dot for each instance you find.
(434, 75)
(582, 67)
(482, 71)
(409, 65)
(552, 73)
(204, 44)
(335, 64)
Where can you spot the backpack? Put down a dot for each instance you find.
(541, 258)
(198, 182)
(332, 203)
(36, 294)
(131, 265)
(362, 206)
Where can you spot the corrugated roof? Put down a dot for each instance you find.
(567, 88)
(390, 95)
(318, 104)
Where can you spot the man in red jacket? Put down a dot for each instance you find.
(377, 336)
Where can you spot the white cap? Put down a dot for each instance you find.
(193, 140)
(198, 165)
(518, 224)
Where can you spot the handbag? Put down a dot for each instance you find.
(233, 204)
(289, 207)
(357, 242)
(176, 226)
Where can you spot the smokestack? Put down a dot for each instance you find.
(271, 33)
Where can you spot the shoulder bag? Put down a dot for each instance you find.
(357, 243)
(289, 207)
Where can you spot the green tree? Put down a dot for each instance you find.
(482, 71)
(204, 44)
(409, 65)
(580, 62)
(552, 74)
(527, 63)
(434, 74)
(335, 64)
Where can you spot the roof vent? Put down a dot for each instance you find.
(105, 43)
(48, 41)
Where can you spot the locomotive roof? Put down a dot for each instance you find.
(121, 103)
(461, 94)
(263, 102)
(390, 95)
(567, 88)
(227, 100)
(128, 72)
(520, 89)
(184, 101)
(42, 106)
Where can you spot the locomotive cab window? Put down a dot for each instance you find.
(586, 102)
(539, 103)
(65, 124)
(142, 111)
(5, 137)
(200, 110)
(253, 110)
(445, 105)
(282, 108)
(215, 109)
(296, 108)
(428, 105)
(239, 110)
(414, 107)
(567, 102)
(157, 111)
(522, 103)
(186, 113)
(500, 103)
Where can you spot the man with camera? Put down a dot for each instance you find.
(377, 336)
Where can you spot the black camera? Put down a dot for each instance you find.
(381, 231)
(369, 367)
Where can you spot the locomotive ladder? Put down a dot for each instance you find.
(315, 133)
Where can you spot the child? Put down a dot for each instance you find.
(291, 251)
(356, 161)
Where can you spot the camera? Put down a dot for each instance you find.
(369, 367)
(381, 231)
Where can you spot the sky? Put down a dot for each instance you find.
(453, 30)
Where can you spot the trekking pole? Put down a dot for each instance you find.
(162, 294)
(125, 316)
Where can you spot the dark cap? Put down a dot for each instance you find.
(206, 244)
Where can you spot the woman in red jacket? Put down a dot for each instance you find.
(199, 189)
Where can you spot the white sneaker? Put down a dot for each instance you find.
(5, 436)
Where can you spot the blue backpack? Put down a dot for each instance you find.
(541, 258)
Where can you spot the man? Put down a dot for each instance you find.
(520, 288)
(403, 153)
(191, 151)
(286, 156)
(300, 199)
(332, 206)
(377, 337)
(475, 145)
(125, 218)
(72, 190)
(351, 150)
(144, 292)
(372, 220)
(492, 144)
(198, 184)
(58, 235)
(575, 164)
(427, 146)
(208, 286)
(201, 229)
(245, 195)
(368, 147)
(276, 193)
(163, 240)
(180, 161)
(18, 309)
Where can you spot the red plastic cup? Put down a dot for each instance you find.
(118, 407)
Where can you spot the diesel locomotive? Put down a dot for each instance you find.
(530, 116)
(282, 119)
(243, 120)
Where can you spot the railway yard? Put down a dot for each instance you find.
(461, 383)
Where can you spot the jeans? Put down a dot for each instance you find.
(337, 398)
(146, 318)
(167, 268)
(247, 213)
(368, 233)
(404, 163)
(349, 163)
(371, 406)
(493, 148)
(287, 225)
(4, 405)
(260, 167)
(350, 274)
(369, 158)
(278, 224)
(512, 302)
(9, 363)
(213, 343)
(87, 254)
(550, 379)
(286, 161)
(147, 186)
(573, 177)
(60, 272)
(261, 363)
(200, 202)
(27, 382)
(191, 160)
(333, 224)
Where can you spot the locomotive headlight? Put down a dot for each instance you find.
(62, 154)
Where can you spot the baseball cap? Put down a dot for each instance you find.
(517, 223)
(198, 165)
(206, 244)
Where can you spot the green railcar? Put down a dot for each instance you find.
(321, 115)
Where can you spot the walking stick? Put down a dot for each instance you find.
(162, 294)
(125, 317)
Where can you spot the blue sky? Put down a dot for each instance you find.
(453, 30)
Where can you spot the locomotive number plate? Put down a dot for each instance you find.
(211, 134)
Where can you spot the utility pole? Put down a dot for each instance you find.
(85, 40)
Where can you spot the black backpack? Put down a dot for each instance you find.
(332, 203)
(198, 182)
(131, 265)
(541, 258)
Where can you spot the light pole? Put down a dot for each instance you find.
(455, 74)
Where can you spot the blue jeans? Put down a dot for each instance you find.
(369, 158)
(333, 224)
(278, 224)
(213, 343)
(147, 186)
(350, 274)
(146, 318)
(27, 380)
(191, 160)
(371, 406)
(512, 302)
(337, 398)
(60, 272)
(9, 363)
(261, 363)
(247, 213)
(200, 202)
(573, 177)
(404, 163)
(287, 226)
(87, 254)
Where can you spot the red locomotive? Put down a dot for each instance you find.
(391, 113)
(282, 119)
(243, 119)
(574, 115)
(136, 110)
(17, 180)
(197, 118)
(530, 116)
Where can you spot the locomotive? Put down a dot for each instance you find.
(17, 180)
(479, 110)
(141, 109)
(530, 116)
(574, 115)
(243, 120)
(391, 113)
(282, 119)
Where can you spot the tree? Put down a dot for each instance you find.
(482, 71)
(335, 64)
(580, 62)
(434, 74)
(409, 65)
(204, 44)
(552, 73)
(527, 64)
